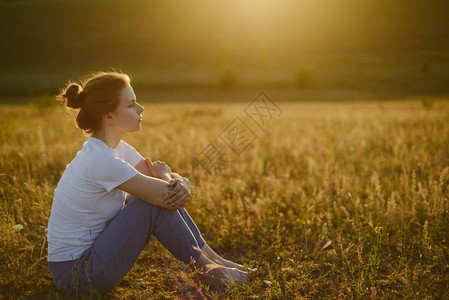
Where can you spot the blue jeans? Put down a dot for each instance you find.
(102, 266)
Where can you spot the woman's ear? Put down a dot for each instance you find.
(108, 119)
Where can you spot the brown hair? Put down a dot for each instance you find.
(96, 96)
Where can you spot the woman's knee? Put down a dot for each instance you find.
(138, 205)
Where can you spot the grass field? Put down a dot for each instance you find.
(332, 200)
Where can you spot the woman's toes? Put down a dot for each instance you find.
(253, 271)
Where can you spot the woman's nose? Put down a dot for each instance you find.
(140, 109)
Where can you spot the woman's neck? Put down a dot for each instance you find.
(111, 139)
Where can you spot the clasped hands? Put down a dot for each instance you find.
(178, 187)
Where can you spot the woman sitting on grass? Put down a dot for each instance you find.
(94, 238)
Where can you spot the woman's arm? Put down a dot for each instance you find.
(177, 195)
(144, 167)
(149, 189)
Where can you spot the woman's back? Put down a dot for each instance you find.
(86, 199)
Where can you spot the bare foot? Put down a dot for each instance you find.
(230, 264)
(210, 253)
(215, 274)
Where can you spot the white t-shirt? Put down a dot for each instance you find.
(86, 199)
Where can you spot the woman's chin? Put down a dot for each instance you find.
(135, 129)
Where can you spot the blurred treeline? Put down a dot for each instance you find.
(319, 47)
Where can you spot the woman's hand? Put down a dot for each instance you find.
(158, 169)
(177, 195)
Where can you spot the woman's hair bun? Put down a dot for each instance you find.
(72, 95)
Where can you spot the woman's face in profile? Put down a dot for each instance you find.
(128, 115)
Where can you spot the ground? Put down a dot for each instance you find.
(345, 200)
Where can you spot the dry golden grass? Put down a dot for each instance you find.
(346, 200)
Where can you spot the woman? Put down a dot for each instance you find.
(94, 235)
